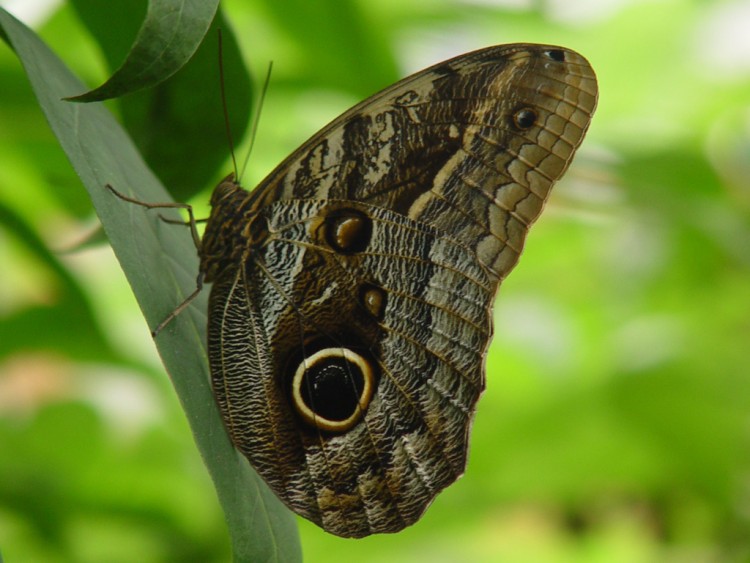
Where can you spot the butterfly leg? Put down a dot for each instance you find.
(191, 222)
(181, 307)
(196, 240)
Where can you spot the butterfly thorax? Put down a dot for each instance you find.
(229, 230)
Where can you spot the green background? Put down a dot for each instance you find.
(615, 425)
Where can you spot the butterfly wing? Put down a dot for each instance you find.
(351, 305)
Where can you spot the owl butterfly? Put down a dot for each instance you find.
(351, 306)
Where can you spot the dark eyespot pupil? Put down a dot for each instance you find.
(348, 231)
(556, 55)
(332, 388)
(524, 118)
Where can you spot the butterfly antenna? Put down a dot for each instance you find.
(256, 118)
(222, 83)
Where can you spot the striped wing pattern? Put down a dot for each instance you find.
(439, 178)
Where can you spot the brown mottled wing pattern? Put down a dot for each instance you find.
(386, 236)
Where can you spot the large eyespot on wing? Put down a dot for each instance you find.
(390, 319)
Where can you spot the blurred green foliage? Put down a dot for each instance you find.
(615, 424)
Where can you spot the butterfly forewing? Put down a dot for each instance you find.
(351, 305)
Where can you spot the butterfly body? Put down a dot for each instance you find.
(352, 291)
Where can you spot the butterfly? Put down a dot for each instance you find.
(352, 290)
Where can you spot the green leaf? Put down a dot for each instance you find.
(160, 263)
(169, 36)
(168, 126)
(116, 41)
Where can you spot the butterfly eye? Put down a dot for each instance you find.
(332, 388)
(348, 231)
(524, 118)
(556, 55)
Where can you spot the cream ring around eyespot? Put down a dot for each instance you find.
(321, 422)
